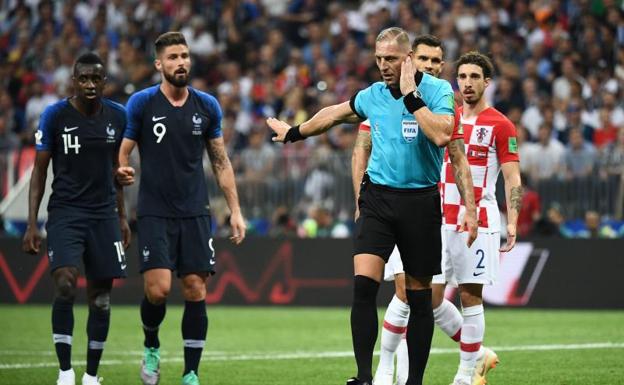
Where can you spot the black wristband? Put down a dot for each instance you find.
(293, 135)
(413, 103)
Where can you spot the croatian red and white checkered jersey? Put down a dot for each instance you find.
(490, 141)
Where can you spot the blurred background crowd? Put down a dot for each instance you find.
(559, 78)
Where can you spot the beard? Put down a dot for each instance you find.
(177, 80)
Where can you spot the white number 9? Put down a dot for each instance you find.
(159, 130)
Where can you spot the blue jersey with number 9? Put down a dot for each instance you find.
(172, 141)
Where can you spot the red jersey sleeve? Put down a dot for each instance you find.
(365, 126)
(506, 142)
(458, 130)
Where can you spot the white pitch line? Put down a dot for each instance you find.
(210, 356)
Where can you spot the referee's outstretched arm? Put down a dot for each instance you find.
(321, 122)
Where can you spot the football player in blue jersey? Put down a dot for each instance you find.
(411, 117)
(86, 216)
(173, 124)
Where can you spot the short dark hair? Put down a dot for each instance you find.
(88, 58)
(168, 39)
(478, 59)
(428, 40)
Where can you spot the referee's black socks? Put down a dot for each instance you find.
(364, 324)
(419, 333)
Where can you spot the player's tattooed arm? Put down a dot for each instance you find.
(513, 194)
(359, 160)
(516, 198)
(461, 171)
(463, 181)
(218, 156)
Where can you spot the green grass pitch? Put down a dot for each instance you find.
(284, 346)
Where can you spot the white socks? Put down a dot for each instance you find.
(394, 327)
(472, 333)
(448, 318)
(402, 362)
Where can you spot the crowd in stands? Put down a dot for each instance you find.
(559, 78)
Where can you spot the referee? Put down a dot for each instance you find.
(411, 116)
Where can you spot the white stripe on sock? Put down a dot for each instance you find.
(62, 339)
(96, 345)
(150, 328)
(198, 344)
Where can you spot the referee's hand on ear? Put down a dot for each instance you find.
(407, 82)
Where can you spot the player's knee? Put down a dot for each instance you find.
(101, 301)
(417, 283)
(364, 289)
(437, 295)
(470, 295)
(157, 294)
(65, 287)
(400, 294)
(194, 290)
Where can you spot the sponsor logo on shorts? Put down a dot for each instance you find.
(146, 254)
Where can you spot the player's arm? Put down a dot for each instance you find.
(437, 127)
(32, 238)
(224, 174)
(125, 173)
(359, 161)
(126, 234)
(321, 122)
(513, 196)
(463, 180)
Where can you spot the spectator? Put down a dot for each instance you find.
(551, 160)
(580, 157)
(531, 209)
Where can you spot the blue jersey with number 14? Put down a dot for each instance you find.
(172, 141)
(83, 152)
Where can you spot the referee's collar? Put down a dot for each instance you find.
(396, 92)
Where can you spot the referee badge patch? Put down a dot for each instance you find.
(410, 130)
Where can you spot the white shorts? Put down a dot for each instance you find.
(393, 266)
(477, 264)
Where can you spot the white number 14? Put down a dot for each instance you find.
(71, 144)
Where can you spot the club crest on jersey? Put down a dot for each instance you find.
(110, 131)
(481, 134)
(410, 130)
(197, 121)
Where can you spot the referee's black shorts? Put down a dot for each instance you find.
(408, 218)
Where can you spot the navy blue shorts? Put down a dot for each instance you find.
(181, 244)
(97, 242)
(408, 218)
